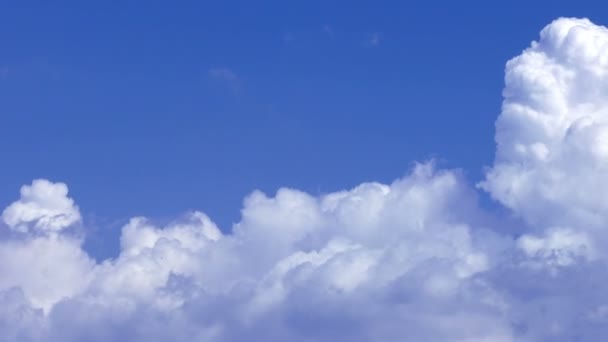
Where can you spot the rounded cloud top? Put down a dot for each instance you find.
(552, 133)
(43, 207)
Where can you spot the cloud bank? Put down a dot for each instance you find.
(415, 260)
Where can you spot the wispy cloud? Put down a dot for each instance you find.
(374, 39)
(225, 75)
(329, 31)
(288, 37)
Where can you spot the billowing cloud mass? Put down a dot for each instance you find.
(552, 138)
(415, 260)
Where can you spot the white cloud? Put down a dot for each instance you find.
(44, 207)
(47, 269)
(292, 256)
(552, 134)
(416, 259)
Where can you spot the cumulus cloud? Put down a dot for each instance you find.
(552, 134)
(416, 259)
(296, 267)
(44, 207)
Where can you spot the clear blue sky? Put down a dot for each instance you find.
(155, 110)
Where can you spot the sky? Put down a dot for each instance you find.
(305, 171)
(159, 109)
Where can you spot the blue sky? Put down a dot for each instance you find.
(159, 109)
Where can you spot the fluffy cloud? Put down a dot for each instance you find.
(552, 134)
(297, 267)
(417, 259)
(44, 207)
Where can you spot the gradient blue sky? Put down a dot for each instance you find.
(155, 109)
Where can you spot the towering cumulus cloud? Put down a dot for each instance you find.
(552, 157)
(414, 260)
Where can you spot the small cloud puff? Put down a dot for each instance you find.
(226, 76)
(374, 39)
(43, 207)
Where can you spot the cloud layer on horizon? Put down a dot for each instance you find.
(417, 259)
